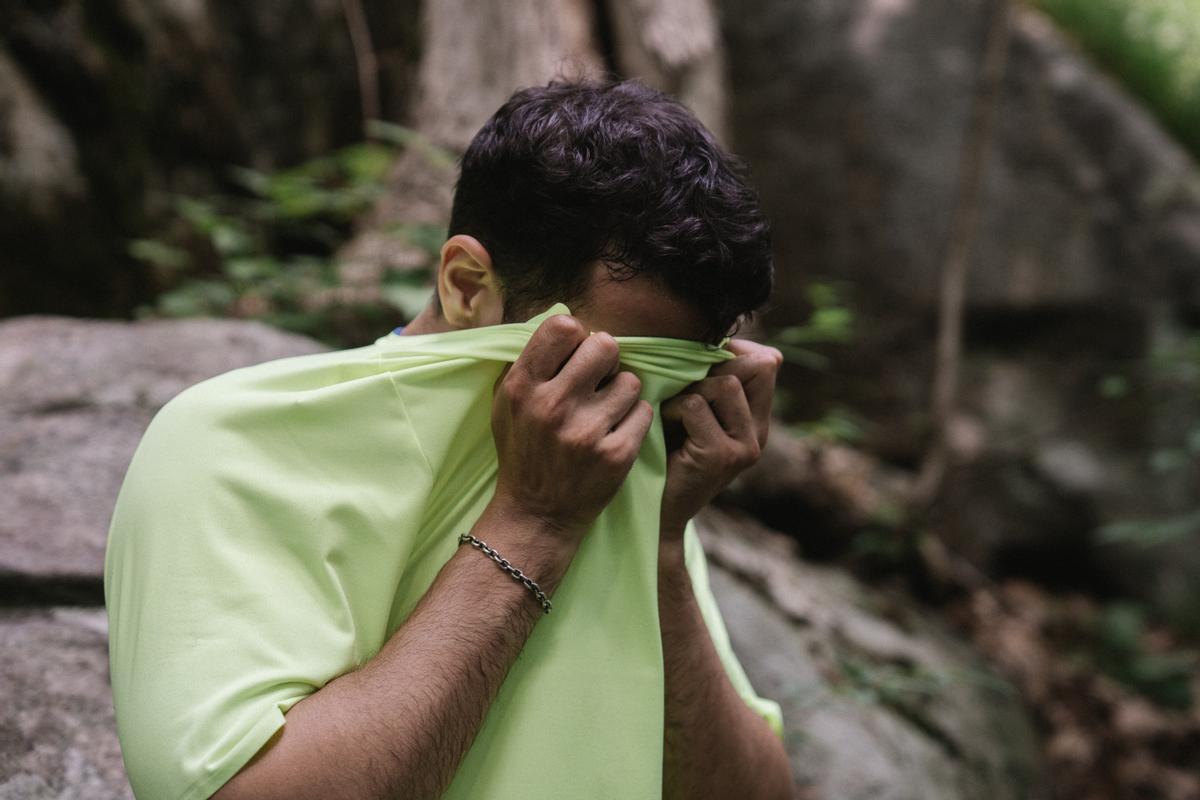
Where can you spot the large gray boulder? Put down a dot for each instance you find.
(853, 117)
(75, 397)
(878, 703)
(860, 109)
(58, 738)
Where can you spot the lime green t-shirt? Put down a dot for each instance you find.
(279, 522)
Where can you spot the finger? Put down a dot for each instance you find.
(550, 346)
(728, 399)
(756, 366)
(629, 433)
(699, 422)
(614, 399)
(744, 347)
(597, 357)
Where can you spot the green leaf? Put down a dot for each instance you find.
(367, 162)
(1151, 532)
(410, 138)
(252, 179)
(1167, 460)
(160, 254)
(429, 238)
(197, 298)
(1113, 386)
(1193, 441)
(252, 268)
(230, 237)
(202, 214)
(840, 424)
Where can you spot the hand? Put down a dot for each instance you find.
(715, 428)
(568, 425)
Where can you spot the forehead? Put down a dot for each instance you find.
(637, 306)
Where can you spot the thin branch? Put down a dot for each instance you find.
(963, 226)
(365, 59)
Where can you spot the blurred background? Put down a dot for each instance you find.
(968, 564)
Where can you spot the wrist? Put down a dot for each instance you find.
(539, 548)
(671, 528)
(674, 580)
(671, 558)
(504, 505)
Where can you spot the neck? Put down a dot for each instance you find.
(428, 321)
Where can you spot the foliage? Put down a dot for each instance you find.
(884, 546)
(1150, 532)
(268, 251)
(839, 424)
(1118, 649)
(904, 685)
(831, 322)
(1153, 46)
(1177, 365)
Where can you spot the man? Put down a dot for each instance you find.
(611, 197)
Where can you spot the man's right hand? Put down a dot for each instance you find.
(568, 425)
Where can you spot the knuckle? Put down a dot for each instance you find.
(728, 383)
(611, 454)
(513, 390)
(629, 381)
(615, 454)
(606, 345)
(550, 411)
(577, 439)
(563, 325)
(768, 359)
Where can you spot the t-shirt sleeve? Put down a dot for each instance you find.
(245, 569)
(697, 567)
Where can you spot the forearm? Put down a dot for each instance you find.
(714, 744)
(400, 725)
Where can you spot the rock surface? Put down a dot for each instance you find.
(1087, 199)
(58, 738)
(75, 397)
(877, 703)
(1086, 264)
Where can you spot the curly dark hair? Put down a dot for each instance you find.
(571, 172)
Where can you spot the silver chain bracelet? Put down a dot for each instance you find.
(519, 576)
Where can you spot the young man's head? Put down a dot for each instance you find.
(610, 197)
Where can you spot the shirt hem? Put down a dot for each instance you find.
(258, 735)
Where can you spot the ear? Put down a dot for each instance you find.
(467, 286)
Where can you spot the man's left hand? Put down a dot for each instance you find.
(715, 428)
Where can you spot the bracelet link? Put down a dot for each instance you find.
(504, 564)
